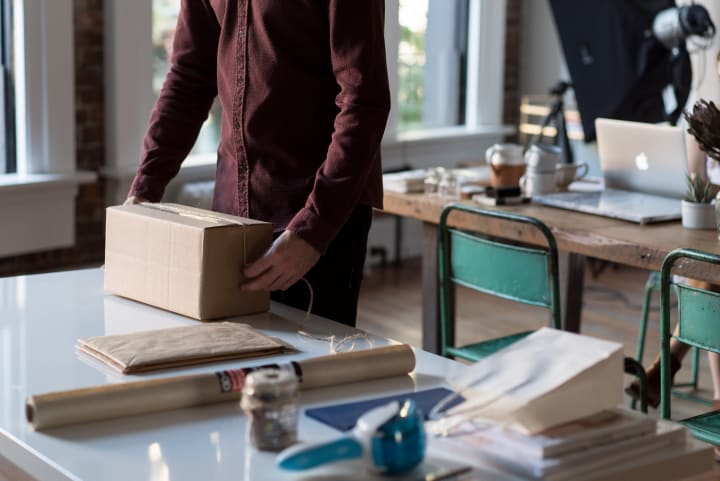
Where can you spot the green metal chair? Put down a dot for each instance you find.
(522, 273)
(653, 285)
(699, 326)
(518, 272)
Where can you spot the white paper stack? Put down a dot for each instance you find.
(413, 181)
(604, 446)
(405, 182)
(545, 409)
(549, 378)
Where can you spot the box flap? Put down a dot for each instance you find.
(182, 214)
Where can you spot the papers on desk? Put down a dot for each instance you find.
(609, 446)
(405, 182)
(544, 408)
(548, 378)
(413, 181)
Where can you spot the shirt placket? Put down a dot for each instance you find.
(239, 111)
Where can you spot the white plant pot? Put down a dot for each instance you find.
(698, 216)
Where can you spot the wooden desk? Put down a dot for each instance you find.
(576, 233)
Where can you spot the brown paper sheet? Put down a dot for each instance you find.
(180, 346)
(112, 401)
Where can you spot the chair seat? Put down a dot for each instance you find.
(705, 427)
(480, 350)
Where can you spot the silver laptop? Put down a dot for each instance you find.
(642, 157)
(644, 168)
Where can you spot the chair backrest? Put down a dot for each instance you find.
(500, 267)
(698, 317)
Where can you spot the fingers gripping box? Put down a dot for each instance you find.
(184, 259)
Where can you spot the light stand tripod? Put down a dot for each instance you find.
(557, 117)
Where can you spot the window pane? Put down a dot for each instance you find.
(7, 98)
(431, 63)
(165, 14)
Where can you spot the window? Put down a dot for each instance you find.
(41, 130)
(432, 57)
(7, 102)
(444, 61)
(165, 14)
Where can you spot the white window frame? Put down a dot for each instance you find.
(37, 204)
(484, 96)
(129, 96)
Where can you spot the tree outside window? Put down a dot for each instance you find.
(165, 15)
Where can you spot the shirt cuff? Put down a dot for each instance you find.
(147, 187)
(313, 230)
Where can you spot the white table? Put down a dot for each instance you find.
(42, 316)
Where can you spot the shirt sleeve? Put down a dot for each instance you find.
(357, 45)
(184, 101)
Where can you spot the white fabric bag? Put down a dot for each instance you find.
(548, 378)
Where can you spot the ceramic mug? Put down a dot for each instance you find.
(537, 183)
(566, 174)
(543, 158)
(506, 163)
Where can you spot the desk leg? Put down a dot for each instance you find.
(430, 302)
(573, 292)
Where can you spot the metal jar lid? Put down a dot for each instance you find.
(267, 386)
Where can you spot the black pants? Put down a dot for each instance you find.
(336, 277)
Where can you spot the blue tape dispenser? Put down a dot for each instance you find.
(391, 438)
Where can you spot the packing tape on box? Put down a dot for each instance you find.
(185, 212)
(199, 215)
(62, 408)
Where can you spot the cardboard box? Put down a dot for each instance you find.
(184, 259)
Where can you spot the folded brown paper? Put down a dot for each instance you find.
(180, 346)
(113, 401)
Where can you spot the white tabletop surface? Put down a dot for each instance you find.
(41, 318)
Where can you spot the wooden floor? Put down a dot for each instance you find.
(391, 299)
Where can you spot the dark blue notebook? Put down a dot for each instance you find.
(344, 416)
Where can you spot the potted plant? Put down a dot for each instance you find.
(704, 125)
(698, 209)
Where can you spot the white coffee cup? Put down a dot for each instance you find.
(537, 183)
(542, 158)
(566, 174)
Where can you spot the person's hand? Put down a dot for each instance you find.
(286, 262)
(134, 199)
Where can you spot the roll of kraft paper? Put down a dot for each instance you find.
(62, 408)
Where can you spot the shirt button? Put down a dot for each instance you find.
(240, 79)
(236, 124)
(241, 33)
(242, 168)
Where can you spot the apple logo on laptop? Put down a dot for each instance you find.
(641, 161)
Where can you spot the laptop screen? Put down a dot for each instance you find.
(642, 157)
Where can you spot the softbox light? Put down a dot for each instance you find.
(618, 68)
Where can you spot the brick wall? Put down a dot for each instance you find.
(90, 134)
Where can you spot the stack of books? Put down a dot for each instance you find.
(608, 446)
(407, 181)
(413, 181)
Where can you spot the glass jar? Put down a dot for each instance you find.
(449, 186)
(432, 180)
(270, 401)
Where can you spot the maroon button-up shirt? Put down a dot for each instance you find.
(304, 93)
